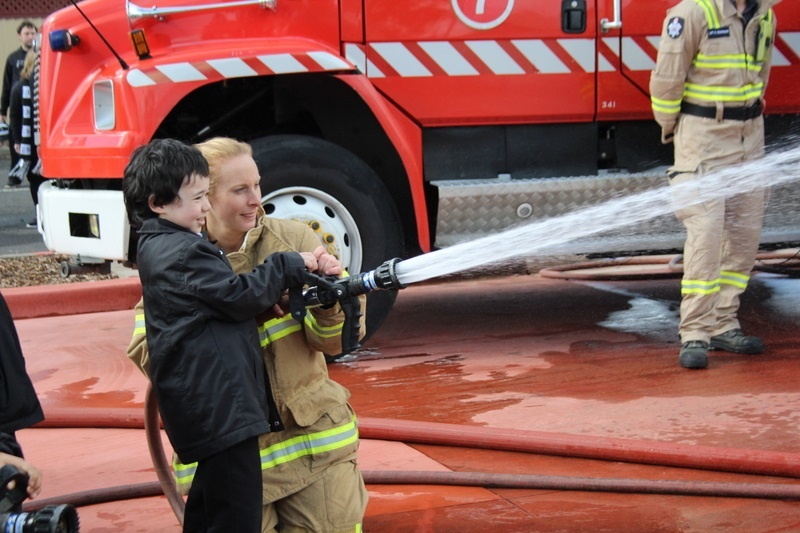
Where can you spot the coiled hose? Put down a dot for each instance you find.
(646, 452)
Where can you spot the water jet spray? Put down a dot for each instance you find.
(567, 233)
(548, 235)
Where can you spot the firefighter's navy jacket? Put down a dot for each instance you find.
(205, 362)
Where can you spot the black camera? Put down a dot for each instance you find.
(49, 519)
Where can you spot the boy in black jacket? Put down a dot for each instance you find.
(19, 405)
(205, 365)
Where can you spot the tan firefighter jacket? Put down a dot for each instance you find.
(707, 57)
(320, 427)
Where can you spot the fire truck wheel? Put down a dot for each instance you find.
(338, 196)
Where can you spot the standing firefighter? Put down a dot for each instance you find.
(707, 94)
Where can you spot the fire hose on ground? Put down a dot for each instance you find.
(783, 262)
(414, 432)
(325, 292)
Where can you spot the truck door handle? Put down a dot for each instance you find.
(573, 16)
(615, 24)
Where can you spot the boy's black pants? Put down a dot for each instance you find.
(226, 492)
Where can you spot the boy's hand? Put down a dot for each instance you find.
(327, 264)
(276, 311)
(33, 473)
(34, 481)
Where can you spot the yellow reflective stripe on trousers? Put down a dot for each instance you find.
(698, 286)
(736, 279)
(672, 107)
(138, 325)
(711, 93)
(303, 445)
(289, 450)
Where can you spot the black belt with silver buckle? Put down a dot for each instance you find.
(729, 113)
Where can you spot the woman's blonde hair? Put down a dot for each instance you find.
(27, 66)
(217, 150)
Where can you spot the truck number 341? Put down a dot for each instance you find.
(608, 104)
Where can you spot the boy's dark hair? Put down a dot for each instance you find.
(25, 24)
(158, 169)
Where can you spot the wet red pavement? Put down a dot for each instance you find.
(587, 369)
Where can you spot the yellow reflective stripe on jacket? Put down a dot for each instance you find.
(283, 452)
(724, 94)
(736, 279)
(184, 474)
(672, 107)
(269, 331)
(698, 286)
(727, 61)
(303, 445)
(323, 331)
(277, 328)
(712, 17)
(138, 325)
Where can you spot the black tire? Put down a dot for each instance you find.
(313, 180)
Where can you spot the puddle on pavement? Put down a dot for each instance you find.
(645, 317)
(727, 420)
(785, 294)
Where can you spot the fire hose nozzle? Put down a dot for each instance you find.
(328, 292)
(384, 277)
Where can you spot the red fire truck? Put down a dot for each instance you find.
(392, 128)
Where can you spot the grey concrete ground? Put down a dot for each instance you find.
(16, 208)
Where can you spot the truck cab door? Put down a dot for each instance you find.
(484, 62)
(627, 48)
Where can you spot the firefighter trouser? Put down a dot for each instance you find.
(333, 504)
(311, 482)
(722, 236)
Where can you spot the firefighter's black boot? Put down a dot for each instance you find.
(736, 341)
(694, 354)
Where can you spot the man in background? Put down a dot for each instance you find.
(26, 33)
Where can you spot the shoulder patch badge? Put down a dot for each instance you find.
(675, 27)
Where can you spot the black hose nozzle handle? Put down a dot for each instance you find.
(327, 291)
(12, 497)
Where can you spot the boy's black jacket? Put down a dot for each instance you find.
(19, 406)
(206, 361)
